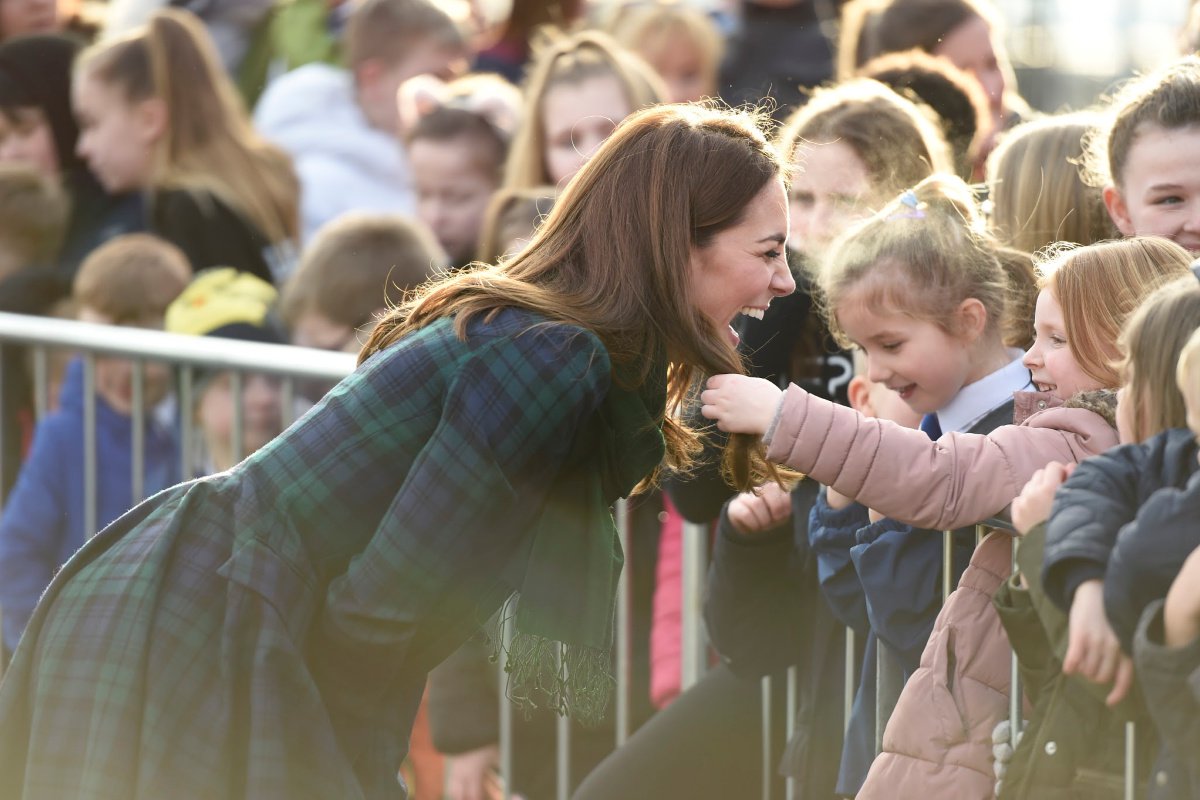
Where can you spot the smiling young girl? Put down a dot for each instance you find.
(1147, 156)
(158, 115)
(886, 283)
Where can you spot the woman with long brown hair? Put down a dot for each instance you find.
(267, 631)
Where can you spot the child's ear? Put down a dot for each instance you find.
(152, 118)
(1118, 210)
(972, 319)
(859, 391)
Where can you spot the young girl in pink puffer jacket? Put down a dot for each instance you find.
(920, 288)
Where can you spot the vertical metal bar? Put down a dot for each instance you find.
(793, 702)
(563, 745)
(850, 681)
(287, 401)
(624, 642)
(1015, 720)
(3, 409)
(238, 443)
(41, 381)
(766, 737)
(90, 498)
(138, 476)
(1130, 761)
(506, 710)
(693, 644)
(980, 533)
(187, 409)
(947, 564)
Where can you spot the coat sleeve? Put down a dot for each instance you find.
(1170, 680)
(1148, 555)
(900, 569)
(508, 417)
(32, 529)
(958, 480)
(760, 591)
(831, 534)
(1089, 510)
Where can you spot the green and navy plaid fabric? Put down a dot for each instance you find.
(266, 632)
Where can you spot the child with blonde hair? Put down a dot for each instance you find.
(1113, 540)
(1037, 191)
(579, 88)
(682, 44)
(159, 115)
(920, 288)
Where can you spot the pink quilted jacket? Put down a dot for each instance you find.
(938, 743)
(958, 480)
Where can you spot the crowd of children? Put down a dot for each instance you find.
(995, 321)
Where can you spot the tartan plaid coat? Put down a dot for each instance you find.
(266, 632)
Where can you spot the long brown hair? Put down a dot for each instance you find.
(209, 143)
(614, 256)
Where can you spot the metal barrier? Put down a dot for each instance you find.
(293, 364)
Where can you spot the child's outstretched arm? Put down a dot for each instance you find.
(958, 480)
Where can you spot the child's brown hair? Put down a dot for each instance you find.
(132, 279)
(1038, 194)
(388, 30)
(1151, 344)
(898, 144)
(924, 254)
(33, 216)
(1168, 99)
(359, 264)
(512, 214)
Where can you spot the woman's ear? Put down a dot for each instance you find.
(1118, 210)
(971, 319)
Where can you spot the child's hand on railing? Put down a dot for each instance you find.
(1032, 505)
(1093, 651)
(766, 507)
(740, 404)
(1181, 615)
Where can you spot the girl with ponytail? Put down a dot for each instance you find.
(923, 291)
(158, 115)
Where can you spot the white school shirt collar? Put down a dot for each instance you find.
(976, 400)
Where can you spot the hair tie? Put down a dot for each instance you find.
(913, 208)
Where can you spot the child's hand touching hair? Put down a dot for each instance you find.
(1181, 615)
(766, 507)
(740, 404)
(1032, 505)
(1092, 648)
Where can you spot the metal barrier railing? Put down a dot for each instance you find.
(293, 364)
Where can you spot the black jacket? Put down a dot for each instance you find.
(1103, 495)
(1170, 679)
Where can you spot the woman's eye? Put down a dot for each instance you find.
(771, 255)
(1169, 200)
(891, 347)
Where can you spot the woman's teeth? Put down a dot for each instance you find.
(749, 311)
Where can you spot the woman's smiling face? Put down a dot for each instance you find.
(744, 266)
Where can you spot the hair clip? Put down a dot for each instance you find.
(915, 208)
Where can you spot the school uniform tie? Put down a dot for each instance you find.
(931, 426)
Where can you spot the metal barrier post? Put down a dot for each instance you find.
(506, 711)
(90, 498)
(138, 470)
(41, 382)
(186, 405)
(562, 746)
(766, 737)
(693, 642)
(947, 565)
(237, 390)
(623, 645)
(850, 680)
(793, 701)
(1130, 761)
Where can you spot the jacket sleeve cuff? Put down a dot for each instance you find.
(1080, 574)
(770, 432)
